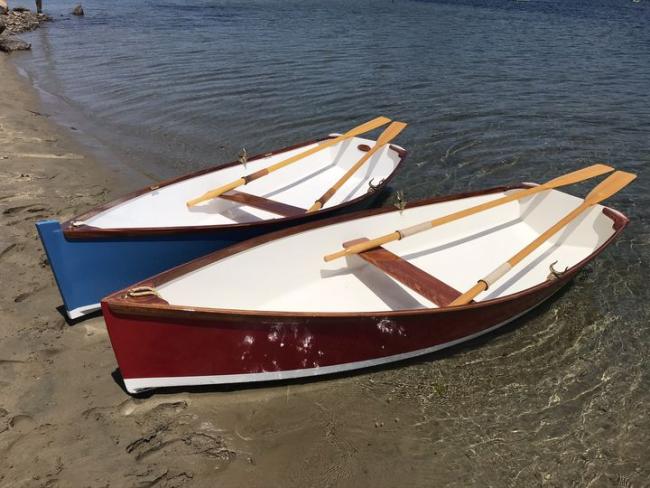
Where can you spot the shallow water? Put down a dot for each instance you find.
(495, 92)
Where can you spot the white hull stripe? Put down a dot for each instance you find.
(81, 311)
(135, 385)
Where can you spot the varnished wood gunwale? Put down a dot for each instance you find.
(120, 305)
(262, 203)
(84, 231)
(409, 275)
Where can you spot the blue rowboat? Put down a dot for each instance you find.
(152, 229)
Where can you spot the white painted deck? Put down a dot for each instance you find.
(298, 184)
(289, 274)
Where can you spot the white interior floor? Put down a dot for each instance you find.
(299, 184)
(289, 274)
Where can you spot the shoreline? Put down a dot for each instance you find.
(51, 373)
(64, 418)
(82, 132)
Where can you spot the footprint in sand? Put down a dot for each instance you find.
(161, 441)
(139, 407)
(3, 425)
(6, 247)
(48, 156)
(32, 208)
(22, 423)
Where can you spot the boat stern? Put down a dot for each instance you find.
(67, 264)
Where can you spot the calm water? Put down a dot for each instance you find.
(494, 91)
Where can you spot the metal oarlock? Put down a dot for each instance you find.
(373, 188)
(555, 274)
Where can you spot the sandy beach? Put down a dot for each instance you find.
(522, 407)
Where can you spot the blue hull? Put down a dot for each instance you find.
(89, 269)
(86, 270)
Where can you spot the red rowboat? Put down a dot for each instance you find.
(270, 308)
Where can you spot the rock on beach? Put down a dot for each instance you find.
(15, 21)
(9, 43)
(21, 20)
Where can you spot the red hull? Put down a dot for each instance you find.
(158, 344)
(183, 346)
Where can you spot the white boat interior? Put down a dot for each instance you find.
(299, 184)
(289, 274)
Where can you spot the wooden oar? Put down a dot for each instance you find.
(604, 190)
(388, 135)
(360, 129)
(567, 179)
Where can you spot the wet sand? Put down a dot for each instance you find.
(542, 402)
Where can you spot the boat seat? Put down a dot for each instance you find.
(407, 274)
(262, 203)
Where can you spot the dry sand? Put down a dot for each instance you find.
(541, 403)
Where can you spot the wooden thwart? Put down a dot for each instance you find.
(262, 203)
(410, 276)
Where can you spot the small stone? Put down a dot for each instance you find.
(78, 11)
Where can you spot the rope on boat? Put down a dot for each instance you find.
(142, 291)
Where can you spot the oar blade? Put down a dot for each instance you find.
(609, 186)
(579, 175)
(390, 133)
(367, 127)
